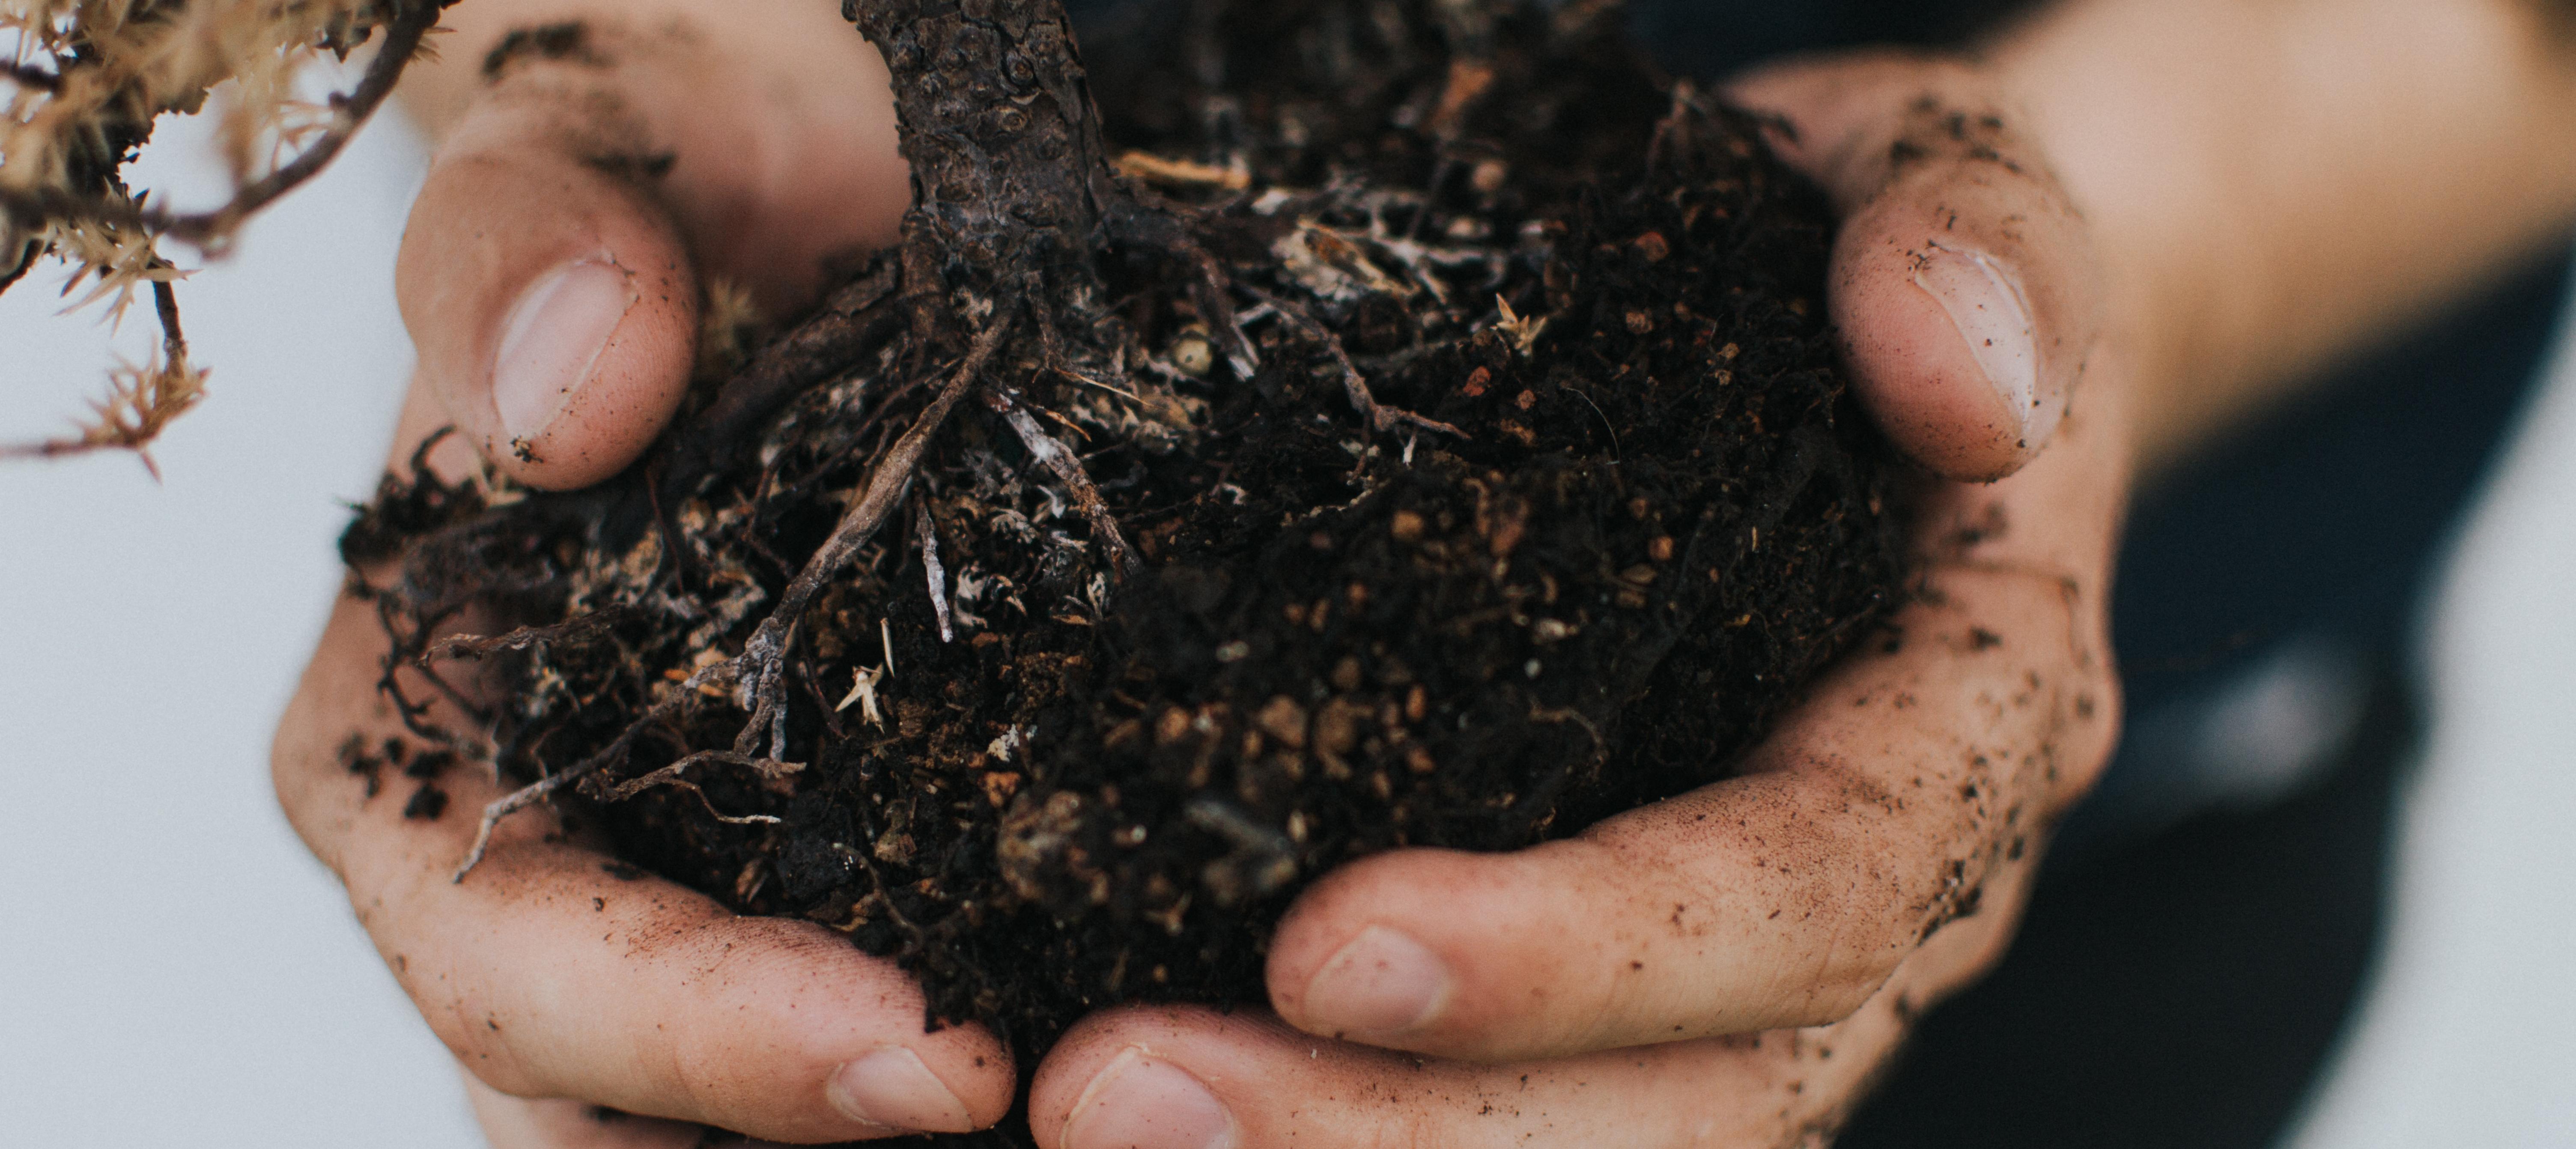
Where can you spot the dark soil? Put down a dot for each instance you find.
(1062, 735)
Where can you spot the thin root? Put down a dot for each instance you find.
(1379, 416)
(615, 751)
(762, 659)
(930, 563)
(674, 775)
(473, 646)
(1060, 461)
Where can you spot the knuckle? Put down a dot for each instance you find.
(2089, 727)
(482, 1049)
(740, 1040)
(691, 1070)
(1421, 1127)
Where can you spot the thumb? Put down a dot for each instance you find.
(1963, 282)
(551, 302)
(546, 273)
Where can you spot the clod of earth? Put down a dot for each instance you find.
(1379, 423)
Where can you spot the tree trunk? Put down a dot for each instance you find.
(1008, 180)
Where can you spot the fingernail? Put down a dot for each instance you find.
(891, 1088)
(1380, 982)
(552, 338)
(1142, 1103)
(1985, 302)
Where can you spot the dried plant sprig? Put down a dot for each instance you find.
(141, 400)
(88, 80)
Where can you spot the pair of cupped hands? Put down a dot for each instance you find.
(1725, 968)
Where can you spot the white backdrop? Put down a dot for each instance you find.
(174, 970)
(2470, 1035)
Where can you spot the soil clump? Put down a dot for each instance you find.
(1388, 423)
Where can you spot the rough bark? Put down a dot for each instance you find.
(1008, 179)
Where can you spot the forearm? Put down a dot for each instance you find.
(2274, 182)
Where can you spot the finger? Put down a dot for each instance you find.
(1183, 1078)
(1190, 1078)
(1963, 283)
(1781, 897)
(546, 273)
(1909, 791)
(551, 972)
(520, 1123)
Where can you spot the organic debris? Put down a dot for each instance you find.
(1124, 551)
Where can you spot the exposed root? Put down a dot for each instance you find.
(1380, 417)
(930, 564)
(1208, 291)
(407, 653)
(614, 752)
(1165, 229)
(764, 657)
(1059, 461)
(675, 776)
(851, 323)
(761, 669)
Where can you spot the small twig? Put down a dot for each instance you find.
(351, 112)
(1155, 169)
(930, 563)
(165, 308)
(1604, 416)
(1113, 389)
(1060, 461)
(475, 646)
(1380, 417)
(141, 401)
(1208, 291)
(30, 76)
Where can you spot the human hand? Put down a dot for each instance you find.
(548, 281)
(1730, 966)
